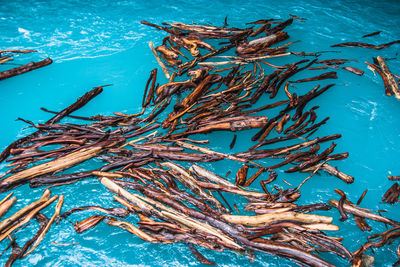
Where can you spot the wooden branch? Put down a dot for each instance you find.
(25, 68)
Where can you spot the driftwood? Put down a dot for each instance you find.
(6, 205)
(389, 76)
(140, 154)
(363, 213)
(392, 194)
(25, 68)
(364, 45)
(371, 34)
(118, 212)
(52, 166)
(40, 237)
(354, 70)
(333, 171)
(5, 224)
(88, 223)
(78, 104)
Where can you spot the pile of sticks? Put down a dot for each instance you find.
(152, 160)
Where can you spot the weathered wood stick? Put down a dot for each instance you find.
(392, 194)
(211, 152)
(354, 70)
(6, 198)
(25, 68)
(388, 90)
(241, 175)
(6, 223)
(267, 219)
(24, 51)
(394, 178)
(364, 45)
(234, 190)
(65, 112)
(88, 223)
(116, 211)
(4, 207)
(363, 213)
(371, 34)
(47, 228)
(198, 255)
(333, 171)
(133, 230)
(43, 221)
(163, 67)
(393, 84)
(49, 167)
(83, 100)
(107, 174)
(206, 174)
(321, 227)
(254, 177)
(232, 124)
(27, 218)
(327, 75)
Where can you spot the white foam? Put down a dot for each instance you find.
(25, 32)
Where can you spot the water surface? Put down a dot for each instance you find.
(102, 42)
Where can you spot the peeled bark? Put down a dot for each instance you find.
(267, 219)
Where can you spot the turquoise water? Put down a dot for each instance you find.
(102, 42)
